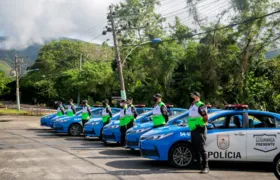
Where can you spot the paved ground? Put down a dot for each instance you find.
(28, 151)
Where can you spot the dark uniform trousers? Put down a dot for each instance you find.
(123, 131)
(198, 138)
(84, 121)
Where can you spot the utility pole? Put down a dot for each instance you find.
(78, 99)
(17, 83)
(18, 73)
(117, 54)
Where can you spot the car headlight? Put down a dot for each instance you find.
(156, 137)
(95, 123)
(64, 120)
(138, 131)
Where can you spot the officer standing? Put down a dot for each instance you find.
(71, 109)
(130, 116)
(86, 113)
(123, 120)
(60, 109)
(160, 116)
(197, 122)
(106, 112)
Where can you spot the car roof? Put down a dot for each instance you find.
(229, 112)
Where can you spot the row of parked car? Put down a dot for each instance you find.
(235, 133)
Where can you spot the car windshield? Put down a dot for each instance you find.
(185, 119)
(78, 113)
(144, 114)
(177, 114)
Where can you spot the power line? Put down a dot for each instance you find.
(204, 5)
(172, 6)
(96, 37)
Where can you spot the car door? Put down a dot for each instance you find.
(262, 137)
(226, 141)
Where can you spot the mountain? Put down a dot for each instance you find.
(272, 54)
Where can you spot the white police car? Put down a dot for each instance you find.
(234, 134)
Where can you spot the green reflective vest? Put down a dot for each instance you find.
(122, 116)
(129, 116)
(70, 111)
(105, 115)
(195, 119)
(158, 118)
(59, 112)
(85, 114)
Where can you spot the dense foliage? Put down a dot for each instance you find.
(226, 65)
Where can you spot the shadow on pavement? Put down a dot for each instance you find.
(5, 120)
(214, 166)
(120, 152)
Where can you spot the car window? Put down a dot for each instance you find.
(261, 121)
(114, 111)
(228, 122)
(97, 112)
(172, 112)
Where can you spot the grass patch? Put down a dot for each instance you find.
(16, 112)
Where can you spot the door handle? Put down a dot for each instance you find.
(240, 134)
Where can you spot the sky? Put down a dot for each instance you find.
(26, 22)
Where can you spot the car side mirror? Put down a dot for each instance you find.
(179, 122)
(210, 126)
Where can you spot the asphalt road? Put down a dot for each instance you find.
(28, 151)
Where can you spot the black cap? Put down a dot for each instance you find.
(157, 95)
(130, 98)
(123, 101)
(85, 101)
(196, 94)
(70, 100)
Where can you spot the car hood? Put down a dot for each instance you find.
(95, 119)
(48, 116)
(166, 130)
(143, 126)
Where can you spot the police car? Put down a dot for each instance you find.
(234, 134)
(95, 126)
(73, 124)
(111, 132)
(45, 120)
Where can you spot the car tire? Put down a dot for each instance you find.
(181, 155)
(276, 166)
(75, 130)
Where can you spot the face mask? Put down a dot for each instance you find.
(104, 104)
(192, 99)
(155, 99)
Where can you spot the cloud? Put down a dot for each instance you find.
(26, 22)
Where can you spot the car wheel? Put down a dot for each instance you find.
(276, 165)
(181, 155)
(75, 130)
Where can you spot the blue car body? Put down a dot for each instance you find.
(95, 126)
(158, 144)
(45, 120)
(111, 132)
(133, 134)
(62, 124)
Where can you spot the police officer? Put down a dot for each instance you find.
(160, 116)
(60, 109)
(86, 113)
(130, 116)
(71, 109)
(197, 122)
(106, 112)
(123, 120)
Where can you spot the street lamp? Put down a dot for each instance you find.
(155, 40)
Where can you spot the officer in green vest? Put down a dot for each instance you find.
(86, 113)
(160, 115)
(71, 109)
(123, 118)
(130, 116)
(197, 122)
(60, 109)
(106, 112)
